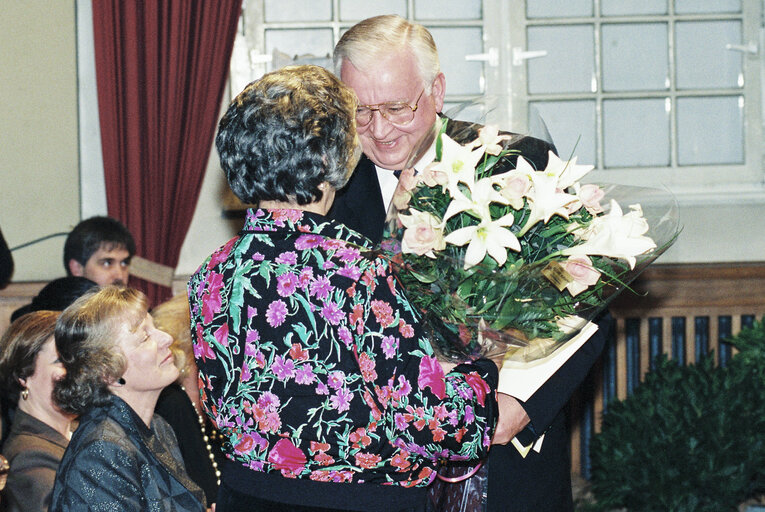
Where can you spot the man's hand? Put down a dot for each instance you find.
(512, 419)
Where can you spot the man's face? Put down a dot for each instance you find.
(393, 79)
(105, 266)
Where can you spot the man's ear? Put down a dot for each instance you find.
(438, 91)
(76, 268)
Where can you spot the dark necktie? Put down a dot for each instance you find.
(397, 174)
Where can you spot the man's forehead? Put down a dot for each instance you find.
(111, 250)
(387, 80)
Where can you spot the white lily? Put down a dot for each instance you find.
(490, 237)
(616, 235)
(568, 172)
(482, 194)
(546, 197)
(458, 162)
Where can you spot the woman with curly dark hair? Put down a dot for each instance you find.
(29, 365)
(121, 457)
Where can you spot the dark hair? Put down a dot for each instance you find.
(56, 295)
(20, 346)
(286, 133)
(93, 234)
(88, 345)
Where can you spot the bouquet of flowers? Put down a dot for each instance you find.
(505, 259)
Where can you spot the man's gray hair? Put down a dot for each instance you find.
(365, 43)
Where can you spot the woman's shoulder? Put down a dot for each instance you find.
(31, 437)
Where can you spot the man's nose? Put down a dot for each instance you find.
(379, 127)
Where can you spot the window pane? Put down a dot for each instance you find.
(703, 62)
(447, 9)
(635, 57)
(636, 133)
(710, 130)
(297, 10)
(462, 77)
(558, 9)
(703, 6)
(357, 10)
(622, 8)
(571, 125)
(569, 64)
(294, 42)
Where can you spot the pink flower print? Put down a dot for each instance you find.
(331, 244)
(367, 460)
(279, 216)
(221, 335)
(321, 288)
(251, 312)
(369, 280)
(345, 335)
(332, 313)
(202, 349)
(335, 379)
(260, 359)
(248, 442)
(367, 366)
(389, 346)
(304, 374)
(328, 265)
(287, 258)
(276, 313)
(211, 301)
(383, 312)
(258, 257)
(469, 415)
(347, 254)
(392, 285)
(321, 388)
(268, 401)
(306, 276)
(221, 254)
(351, 290)
(351, 272)
(406, 330)
(432, 376)
(298, 353)
(356, 318)
(252, 337)
(404, 388)
(307, 241)
(246, 374)
(287, 458)
(440, 412)
(286, 284)
(401, 460)
(284, 369)
(341, 401)
(359, 438)
(478, 385)
(401, 423)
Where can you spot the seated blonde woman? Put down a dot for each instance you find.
(29, 365)
(179, 403)
(122, 456)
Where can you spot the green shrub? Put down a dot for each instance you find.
(690, 438)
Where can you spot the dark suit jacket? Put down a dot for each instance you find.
(6, 262)
(115, 462)
(34, 451)
(515, 484)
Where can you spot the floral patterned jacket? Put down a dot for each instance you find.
(312, 362)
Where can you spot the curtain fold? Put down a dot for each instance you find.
(161, 69)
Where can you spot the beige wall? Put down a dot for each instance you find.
(39, 163)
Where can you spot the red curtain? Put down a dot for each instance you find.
(161, 69)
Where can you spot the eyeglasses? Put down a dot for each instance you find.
(396, 112)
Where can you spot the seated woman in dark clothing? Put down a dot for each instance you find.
(179, 403)
(312, 362)
(121, 457)
(40, 432)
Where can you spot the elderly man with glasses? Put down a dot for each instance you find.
(392, 65)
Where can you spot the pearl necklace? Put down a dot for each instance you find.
(205, 437)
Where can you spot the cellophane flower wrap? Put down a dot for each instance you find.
(511, 260)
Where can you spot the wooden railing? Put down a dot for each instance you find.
(682, 311)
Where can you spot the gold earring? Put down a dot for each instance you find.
(25, 393)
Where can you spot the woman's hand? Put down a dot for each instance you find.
(512, 419)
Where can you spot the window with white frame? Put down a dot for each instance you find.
(656, 92)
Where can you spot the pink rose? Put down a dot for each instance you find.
(423, 234)
(432, 376)
(287, 458)
(584, 274)
(433, 177)
(590, 196)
